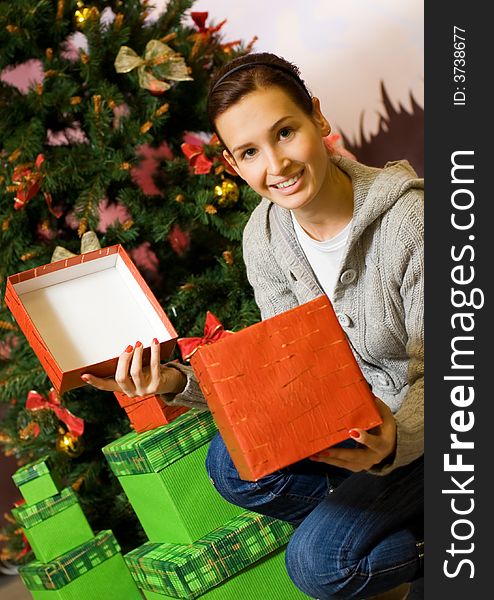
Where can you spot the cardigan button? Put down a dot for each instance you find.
(348, 276)
(344, 319)
(383, 380)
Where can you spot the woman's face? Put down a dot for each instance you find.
(276, 147)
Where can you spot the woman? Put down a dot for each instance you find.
(325, 224)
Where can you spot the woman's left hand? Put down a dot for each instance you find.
(377, 444)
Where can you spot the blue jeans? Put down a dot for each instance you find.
(356, 534)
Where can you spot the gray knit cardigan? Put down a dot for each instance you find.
(378, 297)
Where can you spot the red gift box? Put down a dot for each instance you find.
(79, 314)
(148, 412)
(284, 389)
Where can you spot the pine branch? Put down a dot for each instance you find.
(14, 385)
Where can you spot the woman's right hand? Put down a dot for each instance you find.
(132, 379)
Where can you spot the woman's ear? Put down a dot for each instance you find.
(231, 161)
(319, 118)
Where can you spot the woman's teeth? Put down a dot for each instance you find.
(288, 182)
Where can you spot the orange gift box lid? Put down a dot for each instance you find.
(284, 389)
(79, 314)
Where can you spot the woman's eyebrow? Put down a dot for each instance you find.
(272, 128)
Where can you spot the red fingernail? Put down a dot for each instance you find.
(85, 378)
(138, 344)
(354, 433)
(155, 341)
(128, 349)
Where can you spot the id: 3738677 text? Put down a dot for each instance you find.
(459, 66)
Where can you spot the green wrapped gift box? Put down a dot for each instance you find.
(54, 526)
(223, 564)
(95, 570)
(162, 472)
(266, 580)
(35, 482)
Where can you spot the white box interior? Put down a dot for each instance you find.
(90, 312)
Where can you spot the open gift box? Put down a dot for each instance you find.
(80, 313)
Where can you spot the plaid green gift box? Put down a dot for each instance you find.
(154, 450)
(93, 570)
(163, 474)
(53, 526)
(35, 482)
(189, 571)
(267, 579)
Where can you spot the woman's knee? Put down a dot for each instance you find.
(225, 478)
(314, 568)
(223, 474)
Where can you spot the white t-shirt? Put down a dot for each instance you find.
(324, 257)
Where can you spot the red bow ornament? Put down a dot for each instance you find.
(204, 34)
(198, 161)
(199, 19)
(213, 331)
(194, 150)
(27, 183)
(35, 401)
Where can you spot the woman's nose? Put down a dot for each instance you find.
(276, 162)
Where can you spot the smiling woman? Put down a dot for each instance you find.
(330, 225)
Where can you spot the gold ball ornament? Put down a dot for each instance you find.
(83, 14)
(227, 193)
(69, 444)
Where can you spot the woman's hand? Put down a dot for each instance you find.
(133, 379)
(378, 444)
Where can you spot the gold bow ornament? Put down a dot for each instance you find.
(160, 62)
(89, 242)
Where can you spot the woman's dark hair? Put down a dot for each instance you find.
(251, 72)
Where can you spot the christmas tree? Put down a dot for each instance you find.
(111, 137)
